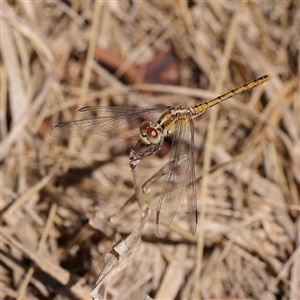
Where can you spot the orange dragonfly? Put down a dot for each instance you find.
(161, 121)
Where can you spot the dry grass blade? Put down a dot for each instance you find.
(73, 214)
(121, 255)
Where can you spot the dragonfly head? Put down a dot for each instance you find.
(149, 134)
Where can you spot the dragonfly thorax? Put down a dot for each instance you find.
(149, 134)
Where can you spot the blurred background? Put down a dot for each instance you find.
(66, 204)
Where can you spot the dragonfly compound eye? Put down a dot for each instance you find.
(145, 125)
(153, 135)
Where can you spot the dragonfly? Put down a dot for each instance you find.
(151, 125)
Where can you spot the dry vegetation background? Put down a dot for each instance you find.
(63, 206)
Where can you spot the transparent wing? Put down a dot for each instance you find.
(109, 121)
(190, 183)
(181, 175)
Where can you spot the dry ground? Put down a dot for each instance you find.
(63, 207)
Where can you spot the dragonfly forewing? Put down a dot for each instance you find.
(111, 121)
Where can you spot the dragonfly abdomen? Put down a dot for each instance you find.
(199, 109)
